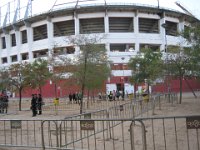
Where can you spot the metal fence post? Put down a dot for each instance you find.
(153, 105)
(42, 135)
(159, 102)
(144, 141)
(133, 110)
(141, 108)
(132, 135)
(144, 136)
(108, 125)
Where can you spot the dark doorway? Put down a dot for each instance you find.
(120, 87)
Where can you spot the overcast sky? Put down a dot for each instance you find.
(39, 6)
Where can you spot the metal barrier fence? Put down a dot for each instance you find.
(162, 133)
(156, 133)
(66, 105)
(109, 127)
(66, 134)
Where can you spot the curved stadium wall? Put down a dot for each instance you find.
(129, 29)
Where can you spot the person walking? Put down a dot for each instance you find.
(39, 104)
(34, 105)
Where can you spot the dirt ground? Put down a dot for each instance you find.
(190, 106)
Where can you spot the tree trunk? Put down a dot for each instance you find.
(20, 98)
(190, 88)
(181, 89)
(55, 90)
(135, 92)
(82, 93)
(83, 84)
(88, 98)
(40, 89)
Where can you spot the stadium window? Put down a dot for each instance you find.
(122, 47)
(40, 53)
(23, 36)
(171, 28)
(13, 40)
(64, 28)
(120, 24)
(4, 60)
(40, 32)
(153, 47)
(3, 41)
(64, 50)
(14, 58)
(92, 25)
(24, 56)
(147, 25)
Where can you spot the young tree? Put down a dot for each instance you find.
(37, 74)
(179, 65)
(146, 66)
(91, 63)
(18, 78)
(4, 79)
(60, 67)
(185, 62)
(192, 38)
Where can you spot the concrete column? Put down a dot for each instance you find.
(162, 32)
(136, 31)
(50, 31)
(30, 41)
(181, 25)
(8, 47)
(136, 23)
(106, 24)
(76, 24)
(18, 44)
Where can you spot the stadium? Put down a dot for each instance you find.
(129, 28)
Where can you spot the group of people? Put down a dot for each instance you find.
(76, 97)
(113, 95)
(3, 103)
(36, 104)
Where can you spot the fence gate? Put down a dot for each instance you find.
(166, 133)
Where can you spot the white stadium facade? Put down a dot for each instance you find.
(129, 28)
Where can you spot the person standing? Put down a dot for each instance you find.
(70, 97)
(39, 104)
(74, 97)
(5, 101)
(1, 104)
(34, 105)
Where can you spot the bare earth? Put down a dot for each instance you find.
(190, 106)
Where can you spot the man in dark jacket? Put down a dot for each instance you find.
(34, 104)
(5, 101)
(39, 104)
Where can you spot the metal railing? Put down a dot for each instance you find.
(154, 133)
(109, 127)
(174, 133)
(66, 106)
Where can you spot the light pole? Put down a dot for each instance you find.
(136, 81)
(123, 92)
(55, 85)
(164, 25)
(20, 88)
(158, 4)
